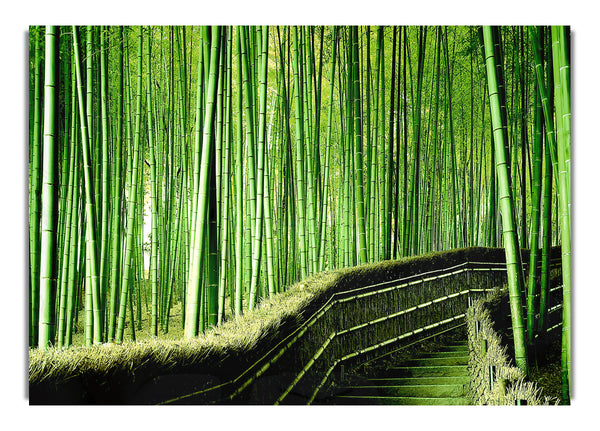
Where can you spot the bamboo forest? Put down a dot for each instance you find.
(264, 208)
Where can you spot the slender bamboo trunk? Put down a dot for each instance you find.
(193, 294)
(299, 160)
(49, 206)
(239, 192)
(116, 204)
(132, 196)
(35, 196)
(90, 213)
(507, 208)
(358, 153)
(535, 222)
(562, 103)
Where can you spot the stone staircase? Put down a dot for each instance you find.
(436, 378)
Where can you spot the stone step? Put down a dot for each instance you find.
(423, 391)
(445, 353)
(440, 380)
(430, 378)
(415, 401)
(429, 371)
(446, 360)
(456, 348)
(426, 391)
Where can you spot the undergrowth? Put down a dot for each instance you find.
(508, 384)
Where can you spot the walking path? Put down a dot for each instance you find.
(436, 378)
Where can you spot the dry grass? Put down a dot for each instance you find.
(234, 336)
(517, 385)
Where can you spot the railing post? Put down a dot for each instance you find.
(467, 267)
(483, 347)
(492, 369)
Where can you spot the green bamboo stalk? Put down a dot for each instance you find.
(104, 225)
(249, 100)
(372, 152)
(272, 289)
(260, 175)
(116, 203)
(545, 97)
(154, 238)
(35, 195)
(90, 213)
(535, 222)
(239, 190)
(402, 243)
(454, 225)
(524, 142)
(358, 157)
(74, 250)
(414, 211)
(429, 229)
(506, 204)
(66, 248)
(562, 103)
(546, 238)
(327, 154)
(211, 264)
(195, 162)
(384, 222)
(193, 294)
(74, 221)
(299, 160)
(49, 178)
(268, 215)
(388, 210)
(348, 220)
(311, 146)
(226, 172)
(132, 202)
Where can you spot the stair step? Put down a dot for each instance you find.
(457, 342)
(448, 360)
(445, 353)
(437, 380)
(455, 348)
(424, 391)
(432, 378)
(427, 391)
(429, 371)
(415, 401)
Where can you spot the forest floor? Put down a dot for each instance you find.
(142, 326)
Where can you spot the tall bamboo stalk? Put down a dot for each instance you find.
(507, 208)
(49, 177)
(193, 295)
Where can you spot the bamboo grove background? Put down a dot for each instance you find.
(255, 156)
